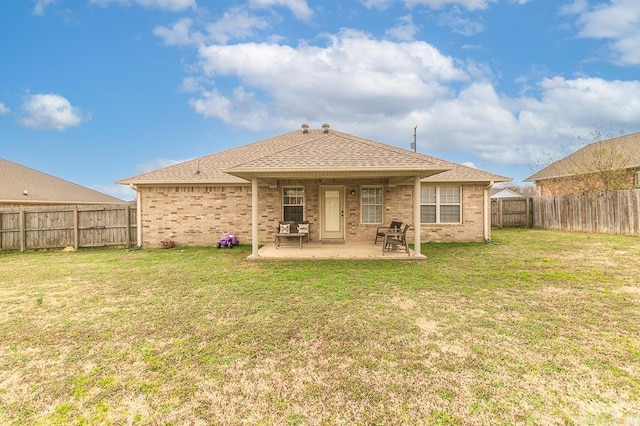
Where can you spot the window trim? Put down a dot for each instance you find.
(362, 204)
(301, 187)
(439, 204)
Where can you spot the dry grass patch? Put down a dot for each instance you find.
(530, 330)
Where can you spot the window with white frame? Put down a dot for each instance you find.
(371, 204)
(440, 204)
(293, 203)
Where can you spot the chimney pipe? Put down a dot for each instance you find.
(325, 127)
(305, 128)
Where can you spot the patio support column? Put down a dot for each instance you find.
(254, 217)
(417, 189)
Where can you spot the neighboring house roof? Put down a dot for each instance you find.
(306, 153)
(23, 185)
(628, 145)
(504, 193)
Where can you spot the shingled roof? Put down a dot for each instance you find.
(627, 146)
(23, 185)
(307, 153)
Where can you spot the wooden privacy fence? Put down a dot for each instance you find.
(57, 227)
(511, 212)
(614, 213)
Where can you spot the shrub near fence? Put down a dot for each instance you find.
(614, 213)
(57, 227)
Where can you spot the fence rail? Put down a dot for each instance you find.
(78, 227)
(614, 213)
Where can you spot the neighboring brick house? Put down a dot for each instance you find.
(22, 186)
(615, 161)
(345, 186)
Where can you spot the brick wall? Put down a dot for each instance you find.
(472, 226)
(583, 184)
(197, 215)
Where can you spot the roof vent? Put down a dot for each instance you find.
(325, 127)
(305, 128)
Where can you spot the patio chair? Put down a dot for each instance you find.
(396, 241)
(382, 230)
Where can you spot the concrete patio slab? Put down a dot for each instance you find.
(318, 251)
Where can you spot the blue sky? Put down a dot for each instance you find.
(94, 91)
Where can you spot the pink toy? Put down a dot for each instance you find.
(228, 240)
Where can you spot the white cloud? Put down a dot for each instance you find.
(377, 4)
(212, 104)
(191, 85)
(460, 24)
(352, 73)
(382, 89)
(576, 7)
(170, 5)
(467, 4)
(299, 8)
(406, 30)
(585, 100)
(617, 21)
(518, 130)
(51, 112)
(4, 110)
(434, 4)
(40, 6)
(477, 119)
(236, 24)
(179, 34)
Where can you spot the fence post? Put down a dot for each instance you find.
(76, 231)
(23, 232)
(127, 231)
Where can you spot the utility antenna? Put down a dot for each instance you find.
(414, 144)
(198, 170)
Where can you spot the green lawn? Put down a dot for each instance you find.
(537, 328)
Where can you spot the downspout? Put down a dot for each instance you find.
(487, 213)
(254, 217)
(138, 215)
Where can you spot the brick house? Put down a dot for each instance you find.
(613, 162)
(344, 185)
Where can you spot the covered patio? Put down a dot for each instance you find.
(316, 250)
